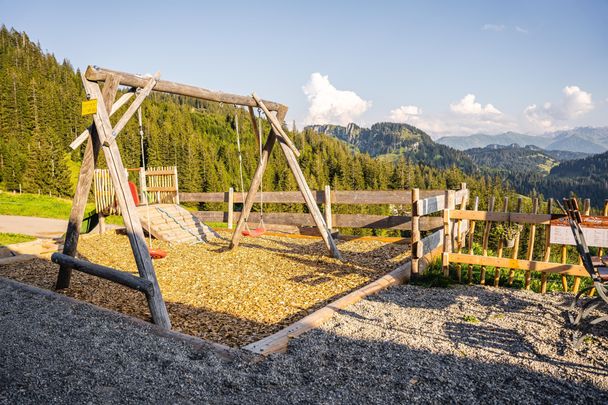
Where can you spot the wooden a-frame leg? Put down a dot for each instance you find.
(310, 200)
(158, 310)
(70, 246)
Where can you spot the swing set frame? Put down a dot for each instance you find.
(101, 136)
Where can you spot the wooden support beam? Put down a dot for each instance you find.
(327, 208)
(447, 231)
(131, 80)
(120, 277)
(83, 187)
(230, 207)
(115, 107)
(276, 125)
(471, 235)
(133, 226)
(577, 280)
(460, 236)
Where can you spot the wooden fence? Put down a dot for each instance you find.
(327, 198)
(460, 247)
(157, 185)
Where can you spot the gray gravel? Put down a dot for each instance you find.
(405, 344)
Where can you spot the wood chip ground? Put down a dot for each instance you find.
(231, 297)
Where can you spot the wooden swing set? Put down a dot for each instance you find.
(101, 135)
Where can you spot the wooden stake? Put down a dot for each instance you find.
(459, 238)
(505, 208)
(415, 232)
(515, 251)
(471, 235)
(447, 231)
(486, 237)
(547, 257)
(230, 206)
(531, 240)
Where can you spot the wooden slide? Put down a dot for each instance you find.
(172, 223)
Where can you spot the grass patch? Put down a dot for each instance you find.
(433, 277)
(11, 238)
(34, 205)
(470, 319)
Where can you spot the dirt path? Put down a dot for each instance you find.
(47, 228)
(407, 344)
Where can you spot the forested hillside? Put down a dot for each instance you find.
(40, 115)
(391, 140)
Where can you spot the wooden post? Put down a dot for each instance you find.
(505, 208)
(415, 232)
(87, 168)
(471, 234)
(486, 237)
(547, 257)
(143, 195)
(577, 280)
(531, 240)
(135, 232)
(176, 185)
(459, 239)
(327, 206)
(447, 231)
(102, 223)
(230, 206)
(515, 251)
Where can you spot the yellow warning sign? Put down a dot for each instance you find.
(89, 107)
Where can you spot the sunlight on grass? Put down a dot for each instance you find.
(11, 238)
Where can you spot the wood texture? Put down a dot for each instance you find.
(531, 240)
(415, 233)
(131, 80)
(515, 251)
(486, 238)
(276, 125)
(471, 235)
(519, 264)
(547, 255)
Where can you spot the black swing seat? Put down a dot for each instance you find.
(597, 267)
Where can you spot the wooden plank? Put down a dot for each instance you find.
(205, 197)
(277, 342)
(435, 203)
(131, 80)
(371, 197)
(531, 240)
(519, 264)
(108, 273)
(135, 233)
(522, 218)
(83, 187)
(429, 243)
(339, 220)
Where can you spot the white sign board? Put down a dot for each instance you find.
(595, 230)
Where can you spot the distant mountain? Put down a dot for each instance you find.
(584, 139)
(391, 140)
(514, 159)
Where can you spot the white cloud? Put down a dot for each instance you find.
(493, 27)
(468, 106)
(574, 104)
(330, 105)
(463, 118)
(521, 30)
(405, 113)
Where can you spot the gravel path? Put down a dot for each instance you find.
(405, 344)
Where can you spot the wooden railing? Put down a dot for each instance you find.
(460, 249)
(327, 198)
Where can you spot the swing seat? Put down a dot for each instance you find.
(157, 254)
(254, 233)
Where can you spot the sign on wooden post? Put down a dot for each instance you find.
(594, 228)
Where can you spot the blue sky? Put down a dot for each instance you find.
(448, 67)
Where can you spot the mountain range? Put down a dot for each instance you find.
(583, 139)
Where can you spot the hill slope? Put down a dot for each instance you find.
(391, 140)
